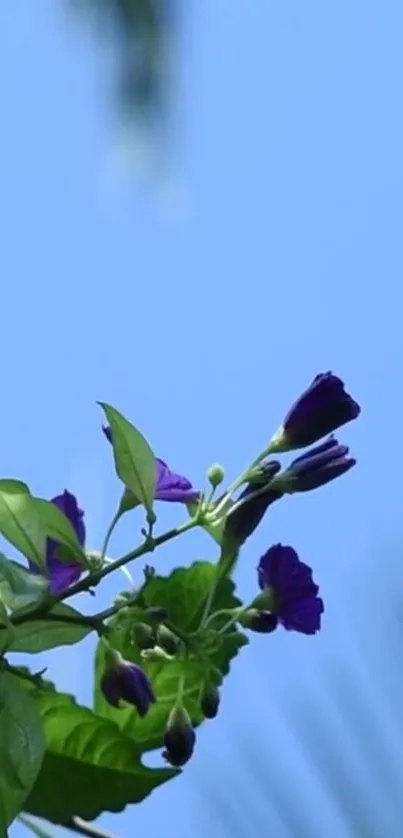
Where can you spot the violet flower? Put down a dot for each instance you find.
(170, 486)
(126, 681)
(179, 738)
(317, 467)
(64, 574)
(292, 592)
(321, 409)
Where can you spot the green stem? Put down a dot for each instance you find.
(235, 617)
(242, 478)
(96, 621)
(109, 532)
(221, 613)
(148, 547)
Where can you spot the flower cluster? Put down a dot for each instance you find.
(288, 596)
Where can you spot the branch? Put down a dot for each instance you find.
(149, 546)
(81, 827)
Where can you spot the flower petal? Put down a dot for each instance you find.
(173, 487)
(62, 575)
(303, 616)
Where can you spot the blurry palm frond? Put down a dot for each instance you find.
(138, 34)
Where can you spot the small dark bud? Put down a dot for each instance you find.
(180, 738)
(157, 614)
(167, 640)
(249, 511)
(210, 701)
(143, 636)
(263, 622)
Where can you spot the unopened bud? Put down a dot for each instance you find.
(143, 636)
(124, 598)
(263, 622)
(157, 614)
(215, 475)
(265, 600)
(180, 738)
(95, 560)
(210, 701)
(167, 639)
(156, 655)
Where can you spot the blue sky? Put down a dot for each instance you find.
(270, 250)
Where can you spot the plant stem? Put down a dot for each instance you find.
(81, 827)
(148, 547)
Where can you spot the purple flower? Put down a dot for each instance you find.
(126, 681)
(321, 409)
(170, 486)
(179, 738)
(318, 466)
(64, 574)
(293, 593)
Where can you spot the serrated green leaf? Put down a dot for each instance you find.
(58, 527)
(21, 747)
(183, 595)
(134, 459)
(38, 635)
(18, 586)
(89, 765)
(20, 523)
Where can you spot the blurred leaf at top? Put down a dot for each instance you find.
(139, 34)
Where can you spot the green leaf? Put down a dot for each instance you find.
(14, 486)
(20, 523)
(183, 594)
(38, 635)
(60, 529)
(89, 765)
(134, 459)
(18, 586)
(21, 747)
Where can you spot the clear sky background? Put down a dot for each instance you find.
(201, 309)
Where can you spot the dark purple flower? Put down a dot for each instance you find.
(170, 487)
(321, 409)
(127, 681)
(317, 467)
(294, 594)
(179, 738)
(64, 574)
(243, 520)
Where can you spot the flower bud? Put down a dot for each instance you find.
(250, 508)
(167, 640)
(156, 655)
(156, 613)
(210, 701)
(180, 738)
(126, 681)
(316, 467)
(263, 622)
(215, 475)
(321, 409)
(143, 636)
